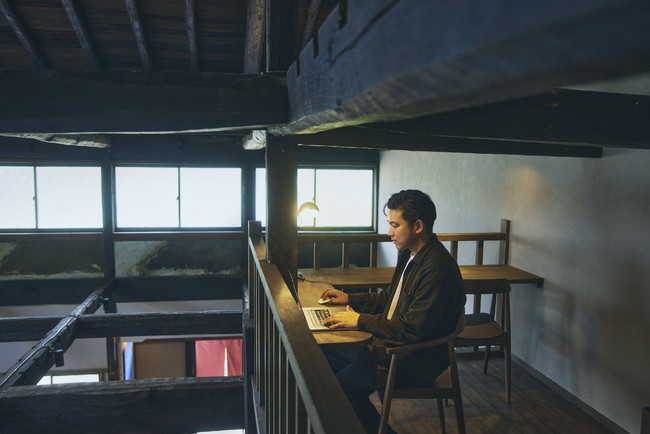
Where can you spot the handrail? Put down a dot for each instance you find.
(454, 238)
(293, 382)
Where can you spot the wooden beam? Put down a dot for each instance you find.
(23, 329)
(375, 138)
(160, 323)
(138, 33)
(144, 406)
(310, 23)
(281, 225)
(49, 350)
(255, 30)
(190, 25)
(453, 59)
(561, 117)
(83, 36)
(24, 35)
(281, 34)
(124, 290)
(80, 102)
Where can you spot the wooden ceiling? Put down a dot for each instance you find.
(463, 76)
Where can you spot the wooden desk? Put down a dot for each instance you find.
(309, 293)
(380, 277)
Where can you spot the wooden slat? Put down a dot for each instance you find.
(281, 34)
(255, 30)
(310, 23)
(190, 25)
(479, 252)
(81, 30)
(454, 250)
(143, 406)
(454, 59)
(345, 255)
(138, 33)
(24, 35)
(112, 102)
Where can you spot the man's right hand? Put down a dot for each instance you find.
(335, 296)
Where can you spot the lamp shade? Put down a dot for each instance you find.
(308, 210)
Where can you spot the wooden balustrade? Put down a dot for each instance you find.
(374, 239)
(294, 389)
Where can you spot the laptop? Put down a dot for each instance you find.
(316, 315)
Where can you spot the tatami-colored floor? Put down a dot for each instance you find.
(534, 409)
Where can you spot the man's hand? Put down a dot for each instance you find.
(335, 296)
(347, 319)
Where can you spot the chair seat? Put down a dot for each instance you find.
(484, 331)
(442, 388)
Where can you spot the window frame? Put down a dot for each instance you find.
(179, 228)
(37, 229)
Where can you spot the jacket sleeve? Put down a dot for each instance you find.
(368, 303)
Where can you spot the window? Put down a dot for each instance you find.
(50, 197)
(345, 197)
(177, 197)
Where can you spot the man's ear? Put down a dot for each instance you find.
(419, 226)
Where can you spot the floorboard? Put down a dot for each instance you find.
(535, 408)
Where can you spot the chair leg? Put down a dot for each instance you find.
(441, 415)
(508, 373)
(486, 358)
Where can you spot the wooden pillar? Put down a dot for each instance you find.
(282, 207)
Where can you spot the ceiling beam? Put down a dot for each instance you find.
(561, 117)
(454, 59)
(255, 30)
(24, 35)
(310, 23)
(367, 137)
(145, 406)
(83, 36)
(98, 103)
(138, 33)
(190, 25)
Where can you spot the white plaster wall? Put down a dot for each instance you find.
(581, 224)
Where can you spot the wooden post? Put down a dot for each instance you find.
(282, 208)
(504, 248)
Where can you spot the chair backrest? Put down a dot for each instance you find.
(493, 287)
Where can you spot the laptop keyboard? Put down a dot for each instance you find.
(318, 315)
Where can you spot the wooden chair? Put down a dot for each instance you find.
(482, 329)
(446, 386)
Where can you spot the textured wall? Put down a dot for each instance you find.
(582, 224)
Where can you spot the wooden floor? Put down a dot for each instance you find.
(534, 409)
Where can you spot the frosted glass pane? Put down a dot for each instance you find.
(146, 197)
(69, 197)
(17, 197)
(305, 194)
(344, 197)
(260, 195)
(211, 197)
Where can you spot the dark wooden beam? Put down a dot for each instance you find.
(138, 33)
(83, 35)
(190, 25)
(368, 137)
(561, 117)
(310, 23)
(281, 34)
(282, 207)
(23, 329)
(137, 103)
(143, 406)
(453, 59)
(31, 367)
(255, 30)
(24, 35)
(124, 290)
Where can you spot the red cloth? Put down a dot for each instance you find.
(211, 356)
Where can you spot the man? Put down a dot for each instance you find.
(422, 303)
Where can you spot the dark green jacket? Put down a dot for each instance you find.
(431, 299)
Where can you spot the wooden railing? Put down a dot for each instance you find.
(374, 239)
(294, 389)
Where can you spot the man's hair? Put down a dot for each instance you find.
(415, 205)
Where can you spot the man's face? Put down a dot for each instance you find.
(401, 233)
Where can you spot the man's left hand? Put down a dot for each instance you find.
(347, 319)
